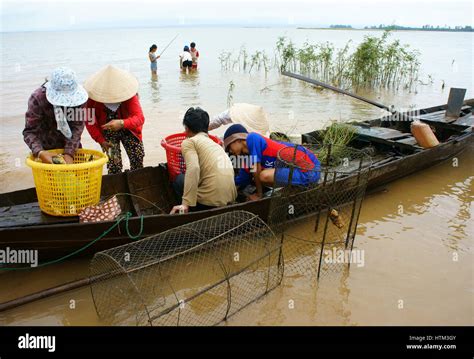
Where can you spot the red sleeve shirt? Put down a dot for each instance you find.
(130, 112)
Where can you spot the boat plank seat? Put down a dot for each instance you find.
(29, 214)
(380, 132)
(467, 120)
(440, 116)
(386, 136)
(410, 140)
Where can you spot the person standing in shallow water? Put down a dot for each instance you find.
(195, 55)
(118, 116)
(185, 60)
(152, 55)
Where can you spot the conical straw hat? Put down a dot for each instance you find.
(111, 85)
(252, 117)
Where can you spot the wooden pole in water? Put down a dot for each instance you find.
(45, 293)
(336, 89)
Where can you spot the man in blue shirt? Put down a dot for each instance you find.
(262, 153)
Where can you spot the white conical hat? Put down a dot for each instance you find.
(252, 117)
(111, 85)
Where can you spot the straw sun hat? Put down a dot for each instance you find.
(111, 85)
(252, 117)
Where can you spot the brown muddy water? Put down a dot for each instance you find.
(417, 235)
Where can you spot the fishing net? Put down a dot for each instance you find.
(315, 209)
(196, 274)
(203, 272)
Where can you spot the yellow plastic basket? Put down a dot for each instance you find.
(64, 190)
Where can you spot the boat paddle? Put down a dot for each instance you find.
(336, 89)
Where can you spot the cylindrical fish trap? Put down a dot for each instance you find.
(196, 274)
(318, 219)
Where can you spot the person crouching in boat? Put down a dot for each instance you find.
(209, 178)
(48, 124)
(117, 116)
(262, 153)
(185, 60)
(252, 117)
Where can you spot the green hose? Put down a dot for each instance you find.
(125, 217)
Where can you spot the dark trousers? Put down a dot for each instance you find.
(178, 187)
(133, 146)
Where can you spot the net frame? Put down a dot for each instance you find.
(188, 275)
(343, 177)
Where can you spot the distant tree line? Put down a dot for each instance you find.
(424, 28)
(340, 27)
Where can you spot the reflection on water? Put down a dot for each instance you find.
(4, 165)
(189, 90)
(460, 224)
(444, 214)
(154, 89)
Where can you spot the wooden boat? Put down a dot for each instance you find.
(395, 154)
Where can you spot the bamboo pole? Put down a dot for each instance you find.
(45, 293)
(333, 88)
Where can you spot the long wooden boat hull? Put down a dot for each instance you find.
(23, 226)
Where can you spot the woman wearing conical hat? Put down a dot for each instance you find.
(117, 116)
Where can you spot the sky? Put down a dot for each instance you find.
(41, 15)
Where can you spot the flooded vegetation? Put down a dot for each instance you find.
(377, 61)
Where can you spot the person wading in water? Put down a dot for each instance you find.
(152, 55)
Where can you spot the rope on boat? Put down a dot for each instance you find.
(137, 196)
(119, 219)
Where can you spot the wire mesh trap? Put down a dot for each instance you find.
(317, 221)
(196, 274)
